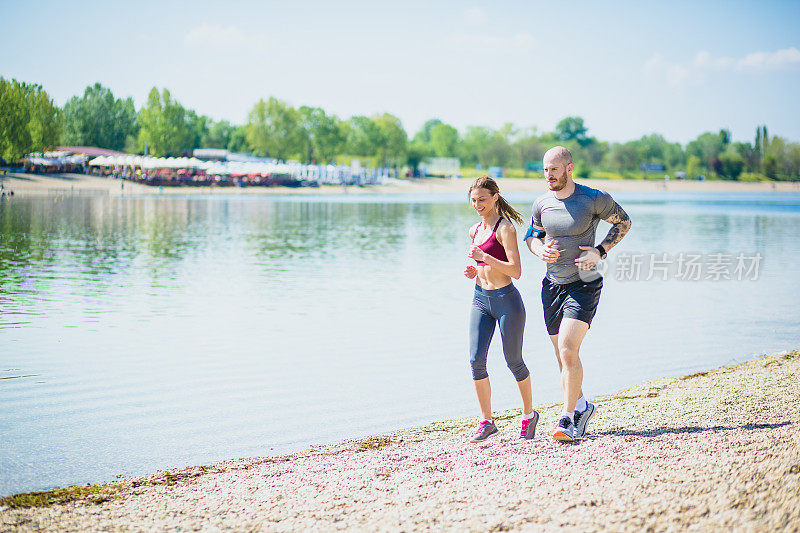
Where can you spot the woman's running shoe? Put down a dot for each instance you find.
(485, 430)
(529, 427)
(565, 430)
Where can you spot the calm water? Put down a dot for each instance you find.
(147, 333)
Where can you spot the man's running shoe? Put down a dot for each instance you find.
(582, 419)
(485, 430)
(529, 427)
(565, 430)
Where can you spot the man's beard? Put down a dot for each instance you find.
(561, 182)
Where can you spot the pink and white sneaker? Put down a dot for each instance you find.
(529, 427)
(485, 430)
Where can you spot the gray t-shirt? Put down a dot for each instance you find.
(571, 222)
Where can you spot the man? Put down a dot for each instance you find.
(562, 234)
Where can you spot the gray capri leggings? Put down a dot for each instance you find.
(503, 305)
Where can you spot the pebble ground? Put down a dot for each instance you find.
(714, 451)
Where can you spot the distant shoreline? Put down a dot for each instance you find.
(81, 184)
(712, 450)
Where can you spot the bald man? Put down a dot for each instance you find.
(562, 234)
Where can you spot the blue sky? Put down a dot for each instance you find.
(629, 68)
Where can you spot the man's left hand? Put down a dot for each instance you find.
(588, 258)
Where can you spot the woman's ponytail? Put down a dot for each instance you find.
(504, 209)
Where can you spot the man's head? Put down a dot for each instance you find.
(557, 163)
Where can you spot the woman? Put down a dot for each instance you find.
(494, 249)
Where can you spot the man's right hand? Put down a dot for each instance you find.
(548, 252)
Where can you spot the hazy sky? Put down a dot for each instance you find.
(629, 68)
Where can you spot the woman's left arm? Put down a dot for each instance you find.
(508, 239)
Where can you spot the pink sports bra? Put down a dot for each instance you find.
(492, 246)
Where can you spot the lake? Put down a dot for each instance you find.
(143, 333)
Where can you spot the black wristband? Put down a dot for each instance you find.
(603, 253)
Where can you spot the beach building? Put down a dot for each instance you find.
(440, 166)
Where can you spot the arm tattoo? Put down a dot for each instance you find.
(620, 224)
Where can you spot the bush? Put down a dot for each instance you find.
(581, 171)
(731, 165)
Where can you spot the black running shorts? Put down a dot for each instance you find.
(576, 300)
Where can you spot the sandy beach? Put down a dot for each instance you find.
(712, 451)
(80, 184)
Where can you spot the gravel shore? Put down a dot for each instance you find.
(717, 450)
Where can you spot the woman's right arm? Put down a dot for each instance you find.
(471, 271)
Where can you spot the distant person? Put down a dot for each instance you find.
(562, 234)
(496, 302)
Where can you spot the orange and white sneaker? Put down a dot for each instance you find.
(565, 430)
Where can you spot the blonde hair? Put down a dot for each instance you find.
(504, 209)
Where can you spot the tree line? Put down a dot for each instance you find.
(30, 121)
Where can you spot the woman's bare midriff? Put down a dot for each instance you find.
(489, 279)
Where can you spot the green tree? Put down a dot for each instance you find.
(473, 142)
(592, 154)
(393, 139)
(750, 156)
(131, 144)
(674, 155)
(165, 126)
(530, 147)
(707, 148)
(324, 135)
(363, 136)
(217, 134)
(238, 140)
(757, 143)
(98, 119)
(45, 123)
(15, 137)
(654, 148)
(731, 165)
(573, 129)
(424, 134)
(769, 166)
(497, 152)
(582, 170)
(781, 159)
(793, 160)
(693, 166)
(420, 147)
(29, 120)
(623, 157)
(444, 140)
(199, 125)
(444, 143)
(417, 151)
(274, 129)
(488, 147)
